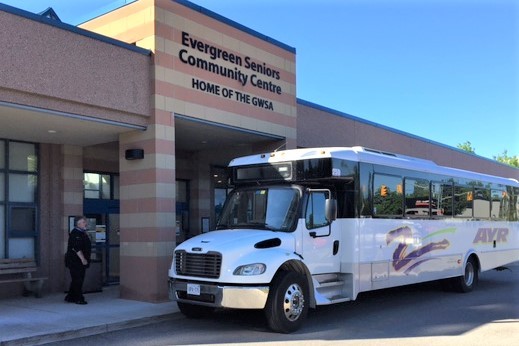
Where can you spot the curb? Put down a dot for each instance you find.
(89, 331)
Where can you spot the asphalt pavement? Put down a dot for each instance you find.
(36, 321)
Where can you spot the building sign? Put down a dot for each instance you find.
(246, 72)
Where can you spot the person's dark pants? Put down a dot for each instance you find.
(75, 291)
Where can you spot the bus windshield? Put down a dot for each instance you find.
(269, 208)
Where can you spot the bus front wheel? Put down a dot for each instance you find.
(467, 281)
(287, 304)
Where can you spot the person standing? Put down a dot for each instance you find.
(77, 259)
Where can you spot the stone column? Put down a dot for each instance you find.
(147, 210)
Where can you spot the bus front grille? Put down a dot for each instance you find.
(198, 265)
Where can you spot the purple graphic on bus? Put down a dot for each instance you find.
(400, 256)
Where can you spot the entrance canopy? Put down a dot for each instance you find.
(193, 134)
(26, 123)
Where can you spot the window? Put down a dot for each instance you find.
(2, 154)
(22, 187)
(481, 203)
(463, 201)
(498, 205)
(417, 203)
(22, 157)
(2, 187)
(219, 199)
(513, 200)
(182, 207)
(99, 186)
(441, 199)
(315, 210)
(18, 199)
(221, 189)
(509, 205)
(387, 195)
(273, 208)
(23, 220)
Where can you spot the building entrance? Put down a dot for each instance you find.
(101, 207)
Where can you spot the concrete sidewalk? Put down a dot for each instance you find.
(34, 321)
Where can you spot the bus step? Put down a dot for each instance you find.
(331, 283)
(324, 279)
(339, 299)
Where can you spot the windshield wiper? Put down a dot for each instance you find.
(264, 225)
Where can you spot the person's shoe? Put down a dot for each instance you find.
(81, 302)
(69, 300)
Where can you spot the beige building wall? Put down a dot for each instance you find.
(322, 127)
(51, 68)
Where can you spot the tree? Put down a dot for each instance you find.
(509, 160)
(503, 157)
(467, 146)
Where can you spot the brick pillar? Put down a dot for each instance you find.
(72, 185)
(147, 211)
(72, 194)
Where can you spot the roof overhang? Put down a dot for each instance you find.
(25, 123)
(193, 134)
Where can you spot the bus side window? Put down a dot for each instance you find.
(499, 205)
(315, 210)
(387, 196)
(442, 198)
(481, 203)
(417, 200)
(345, 200)
(463, 201)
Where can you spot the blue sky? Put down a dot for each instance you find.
(445, 70)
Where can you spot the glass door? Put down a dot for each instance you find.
(101, 203)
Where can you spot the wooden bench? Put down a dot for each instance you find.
(20, 270)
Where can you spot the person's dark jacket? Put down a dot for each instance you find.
(78, 240)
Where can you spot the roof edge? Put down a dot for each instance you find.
(236, 25)
(71, 28)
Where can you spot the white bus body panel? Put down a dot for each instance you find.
(237, 248)
(373, 253)
(391, 253)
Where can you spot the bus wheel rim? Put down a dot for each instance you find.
(469, 274)
(293, 302)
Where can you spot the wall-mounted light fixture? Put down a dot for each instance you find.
(134, 154)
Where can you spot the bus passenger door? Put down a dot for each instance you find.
(321, 239)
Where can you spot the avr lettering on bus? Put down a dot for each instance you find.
(488, 235)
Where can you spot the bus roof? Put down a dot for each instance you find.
(361, 154)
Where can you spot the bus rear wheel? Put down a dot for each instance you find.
(466, 282)
(287, 304)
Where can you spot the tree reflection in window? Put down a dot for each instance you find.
(387, 195)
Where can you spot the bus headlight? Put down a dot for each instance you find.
(250, 269)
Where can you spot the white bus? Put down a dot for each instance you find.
(310, 227)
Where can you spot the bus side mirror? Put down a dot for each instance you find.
(330, 209)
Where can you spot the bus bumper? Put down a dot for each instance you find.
(218, 296)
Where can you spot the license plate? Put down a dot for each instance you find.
(193, 289)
